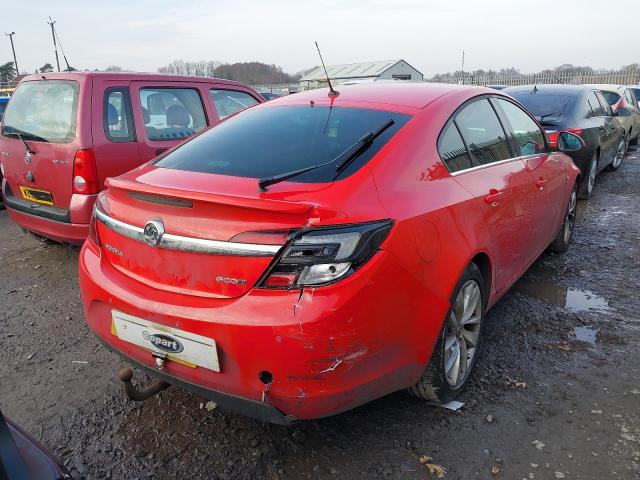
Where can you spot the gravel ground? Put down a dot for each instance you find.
(556, 393)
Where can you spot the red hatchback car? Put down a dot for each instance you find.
(316, 252)
(63, 134)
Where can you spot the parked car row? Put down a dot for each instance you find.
(310, 253)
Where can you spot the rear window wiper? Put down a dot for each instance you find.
(21, 134)
(345, 158)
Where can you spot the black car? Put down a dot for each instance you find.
(582, 110)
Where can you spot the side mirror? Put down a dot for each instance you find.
(623, 112)
(569, 142)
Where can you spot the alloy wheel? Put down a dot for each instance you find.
(592, 174)
(570, 217)
(462, 334)
(622, 149)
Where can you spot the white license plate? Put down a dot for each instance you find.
(184, 347)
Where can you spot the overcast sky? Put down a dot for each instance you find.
(145, 34)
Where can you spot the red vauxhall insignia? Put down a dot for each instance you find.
(317, 251)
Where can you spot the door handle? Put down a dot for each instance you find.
(541, 183)
(494, 197)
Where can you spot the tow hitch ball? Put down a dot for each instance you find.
(126, 374)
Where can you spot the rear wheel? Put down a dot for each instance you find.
(620, 153)
(456, 351)
(561, 242)
(586, 186)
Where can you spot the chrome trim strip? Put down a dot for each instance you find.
(190, 244)
(486, 165)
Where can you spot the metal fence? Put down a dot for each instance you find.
(629, 77)
(618, 78)
(6, 88)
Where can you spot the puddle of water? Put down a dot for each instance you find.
(572, 299)
(586, 334)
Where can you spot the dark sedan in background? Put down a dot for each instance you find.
(583, 110)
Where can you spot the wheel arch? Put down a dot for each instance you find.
(483, 262)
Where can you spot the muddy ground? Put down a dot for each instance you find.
(547, 401)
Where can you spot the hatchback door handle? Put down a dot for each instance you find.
(541, 183)
(494, 197)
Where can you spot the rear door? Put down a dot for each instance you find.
(114, 133)
(597, 128)
(167, 113)
(47, 115)
(546, 169)
(486, 166)
(611, 133)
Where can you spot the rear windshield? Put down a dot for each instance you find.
(262, 142)
(544, 105)
(611, 97)
(44, 110)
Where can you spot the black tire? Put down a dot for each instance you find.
(561, 242)
(433, 385)
(586, 189)
(634, 141)
(617, 160)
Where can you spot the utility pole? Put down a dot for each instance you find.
(463, 67)
(15, 61)
(53, 35)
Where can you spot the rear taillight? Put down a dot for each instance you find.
(85, 173)
(93, 223)
(324, 255)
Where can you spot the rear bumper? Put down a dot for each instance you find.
(50, 222)
(329, 349)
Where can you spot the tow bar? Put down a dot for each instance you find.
(126, 374)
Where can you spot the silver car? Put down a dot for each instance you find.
(621, 96)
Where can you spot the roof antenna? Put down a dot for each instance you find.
(332, 93)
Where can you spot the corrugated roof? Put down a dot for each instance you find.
(349, 70)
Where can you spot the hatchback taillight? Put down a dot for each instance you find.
(93, 229)
(85, 173)
(324, 255)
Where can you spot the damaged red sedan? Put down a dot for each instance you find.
(319, 251)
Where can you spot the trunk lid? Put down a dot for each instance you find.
(182, 201)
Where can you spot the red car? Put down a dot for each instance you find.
(316, 252)
(63, 134)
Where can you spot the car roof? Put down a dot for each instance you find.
(399, 93)
(552, 88)
(609, 87)
(134, 76)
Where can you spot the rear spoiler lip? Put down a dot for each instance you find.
(269, 205)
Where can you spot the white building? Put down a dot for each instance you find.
(372, 71)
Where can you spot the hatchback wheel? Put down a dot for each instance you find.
(456, 352)
(620, 153)
(561, 242)
(586, 186)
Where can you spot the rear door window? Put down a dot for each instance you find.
(606, 108)
(629, 98)
(595, 105)
(228, 102)
(483, 133)
(172, 113)
(452, 149)
(118, 118)
(43, 110)
(527, 135)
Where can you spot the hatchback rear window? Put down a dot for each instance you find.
(267, 141)
(611, 97)
(544, 105)
(44, 110)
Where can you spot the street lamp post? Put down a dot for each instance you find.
(15, 61)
